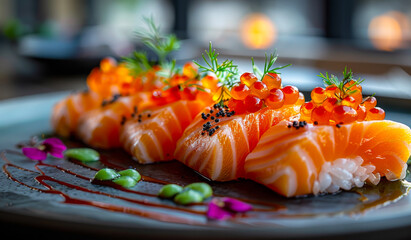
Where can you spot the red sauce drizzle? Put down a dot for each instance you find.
(43, 179)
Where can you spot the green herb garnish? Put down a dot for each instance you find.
(226, 72)
(268, 66)
(138, 63)
(162, 45)
(345, 90)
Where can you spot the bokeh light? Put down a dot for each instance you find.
(258, 31)
(387, 31)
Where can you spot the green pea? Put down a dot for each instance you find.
(106, 174)
(169, 190)
(83, 154)
(201, 187)
(187, 197)
(131, 173)
(125, 181)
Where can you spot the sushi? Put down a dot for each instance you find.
(105, 83)
(100, 127)
(341, 141)
(217, 150)
(151, 136)
(66, 113)
(325, 159)
(218, 141)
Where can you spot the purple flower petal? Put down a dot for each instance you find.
(236, 205)
(34, 153)
(217, 212)
(55, 147)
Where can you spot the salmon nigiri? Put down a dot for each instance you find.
(218, 141)
(151, 137)
(103, 82)
(100, 127)
(66, 113)
(218, 150)
(340, 142)
(324, 158)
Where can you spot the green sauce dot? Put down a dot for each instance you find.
(201, 187)
(106, 174)
(125, 181)
(187, 197)
(169, 191)
(83, 154)
(131, 173)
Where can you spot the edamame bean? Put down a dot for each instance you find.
(125, 181)
(201, 187)
(188, 196)
(106, 174)
(169, 190)
(83, 154)
(131, 173)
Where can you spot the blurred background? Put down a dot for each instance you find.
(51, 45)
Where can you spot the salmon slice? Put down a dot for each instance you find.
(152, 136)
(221, 156)
(100, 127)
(316, 159)
(66, 113)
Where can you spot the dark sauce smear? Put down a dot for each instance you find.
(64, 177)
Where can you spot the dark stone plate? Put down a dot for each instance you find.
(26, 212)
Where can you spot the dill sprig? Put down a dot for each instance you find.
(226, 72)
(162, 45)
(138, 63)
(268, 66)
(345, 90)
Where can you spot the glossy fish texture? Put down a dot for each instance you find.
(152, 136)
(67, 112)
(221, 156)
(291, 161)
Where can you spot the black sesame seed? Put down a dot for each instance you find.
(149, 115)
(211, 111)
(338, 125)
(217, 127)
(289, 126)
(212, 118)
(315, 123)
(217, 120)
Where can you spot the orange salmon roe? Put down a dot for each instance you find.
(272, 80)
(248, 79)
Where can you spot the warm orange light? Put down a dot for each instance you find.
(387, 31)
(258, 31)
